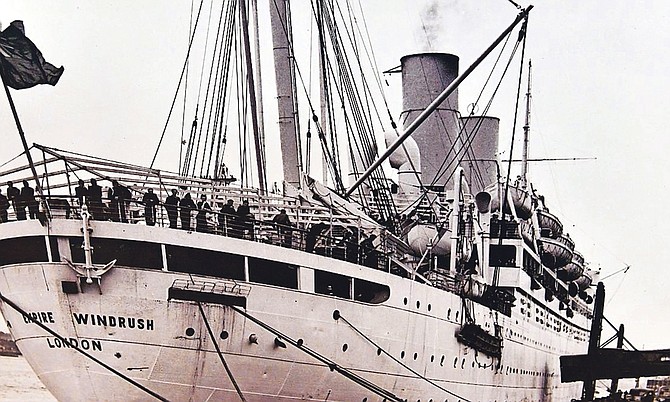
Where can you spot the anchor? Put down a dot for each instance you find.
(88, 270)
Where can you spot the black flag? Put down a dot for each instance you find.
(22, 63)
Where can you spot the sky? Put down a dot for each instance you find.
(599, 92)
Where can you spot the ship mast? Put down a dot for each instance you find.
(284, 72)
(526, 132)
(258, 141)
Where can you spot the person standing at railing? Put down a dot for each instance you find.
(95, 200)
(81, 192)
(120, 195)
(283, 223)
(226, 217)
(28, 200)
(369, 253)
(150, 200)
(244, 219)
(4, 206)
(201, 218)
(171, 203)
(186, 205)
(14, 196)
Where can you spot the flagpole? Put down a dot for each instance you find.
(25, 144)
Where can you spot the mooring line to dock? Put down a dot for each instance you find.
(337, 315)
(69, 344)
(218, 351)
(331, 364)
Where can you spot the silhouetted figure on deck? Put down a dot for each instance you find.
(201, 218)
(284, 224)
(120, 196)
(171, 203)
(315, 232)
(150, 200)
(14, 196)
(244, 219)
(28, 200)
(226, 217)
(81, 192)
(4, 206)
(95, 200)
(369, 252)
(186, 205)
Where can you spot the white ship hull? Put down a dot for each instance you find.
(132, 324)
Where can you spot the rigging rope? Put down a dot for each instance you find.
(174, 100)
(67, 343)
(522, 37)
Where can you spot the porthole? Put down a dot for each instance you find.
(448, 314)
(457, 315)
(379, 351)
(402, 354)
(224, 335)
(416, 355)
(190, 331)
(405, 301)
(429, 307)
(442, 361)
(418, 304)
(345, 347)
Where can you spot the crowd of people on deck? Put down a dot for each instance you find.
(230, 221)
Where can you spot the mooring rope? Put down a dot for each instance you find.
(338, 316)
(218, 351)
(331, 364)
(75, 347)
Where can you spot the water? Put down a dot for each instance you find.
(18, 383)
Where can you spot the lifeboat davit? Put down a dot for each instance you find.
(549, 224)
(422, 236)
(523, 202)
(556, 253)
(573, 270)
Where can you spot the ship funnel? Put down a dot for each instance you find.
(480, 139)
(424, 77)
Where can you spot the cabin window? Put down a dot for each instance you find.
(23, 249)
(370, 292)
(205, 262)
(328, 283)
(273, 273)
(126, 253)
(502, 255)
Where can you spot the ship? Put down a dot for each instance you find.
(451, 282)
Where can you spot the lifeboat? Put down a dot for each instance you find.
(549, 224)
(556, 253)
(526, 229)
(523, 202)
(580, 284)
(573, 270)
(422, 236)
(567, 241)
